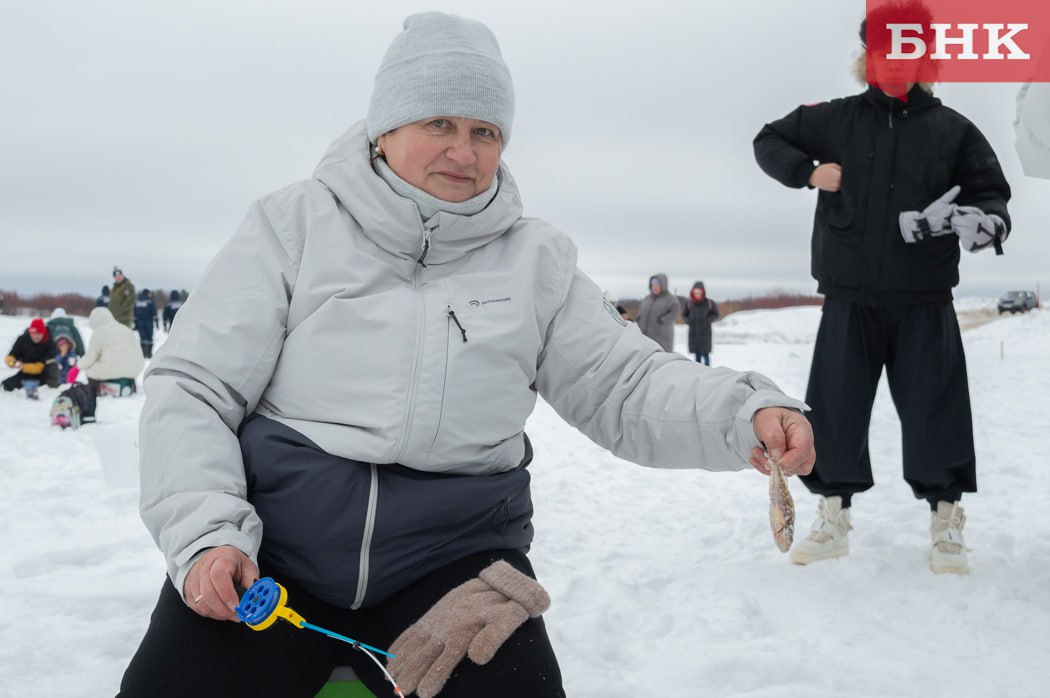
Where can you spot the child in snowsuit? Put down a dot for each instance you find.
(66, 359)
(60, 324)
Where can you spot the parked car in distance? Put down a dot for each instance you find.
(1016, 302)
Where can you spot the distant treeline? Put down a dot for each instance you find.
(774, 300)
(41, 304)
(732, 305)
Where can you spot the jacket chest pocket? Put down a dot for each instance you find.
(490, 349)
(490, 337)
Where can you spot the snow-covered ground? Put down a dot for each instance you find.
(663, 583)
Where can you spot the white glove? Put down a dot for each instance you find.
(932, 221)
(978, 230)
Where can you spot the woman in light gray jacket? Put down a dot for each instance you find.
(343, 401)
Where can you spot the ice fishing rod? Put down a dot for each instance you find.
(266, 601)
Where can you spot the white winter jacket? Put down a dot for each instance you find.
(337, 312)
(113, 351)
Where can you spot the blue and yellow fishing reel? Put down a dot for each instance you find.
(264, 603)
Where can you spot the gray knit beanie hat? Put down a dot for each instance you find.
(441, 65)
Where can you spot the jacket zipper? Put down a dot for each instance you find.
(426, 248)
(452, 316)
(410, 407)
(410, 404)
(366, 537)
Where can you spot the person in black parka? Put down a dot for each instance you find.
(175, 301)
(902, 183)
(700, 311)
(103, 298)
(145, 321)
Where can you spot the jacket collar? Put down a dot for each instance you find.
(393, 222)
(918, 98)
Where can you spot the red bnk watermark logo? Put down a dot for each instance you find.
(956, 41)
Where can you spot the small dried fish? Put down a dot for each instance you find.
(781, 507)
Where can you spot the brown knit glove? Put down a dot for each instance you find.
(474, 619)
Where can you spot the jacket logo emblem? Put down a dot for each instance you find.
(613, 312)
(477, 304)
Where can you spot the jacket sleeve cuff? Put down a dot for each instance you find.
(743, 437)
(804, 172)
(179, 567)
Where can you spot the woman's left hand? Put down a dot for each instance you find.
(788, 438)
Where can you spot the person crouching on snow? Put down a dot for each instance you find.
(390, 493)
(33, 356)
(113, 352)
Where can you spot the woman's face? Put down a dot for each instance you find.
(449, 157)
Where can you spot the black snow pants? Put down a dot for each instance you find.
(50, 377)
(184, 654)
(921, 348)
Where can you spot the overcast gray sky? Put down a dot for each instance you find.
(138, 133)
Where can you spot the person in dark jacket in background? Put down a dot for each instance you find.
(33, 356)
(657, 313)
(145, 321)
(699, 312)
(175, 301)
(903, 183)
(103, 299)
(122, 299)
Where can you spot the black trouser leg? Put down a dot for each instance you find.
(183, 654)
(926, 370)
(524, 667)
(847, 364)
(52, 377)
(12, 383)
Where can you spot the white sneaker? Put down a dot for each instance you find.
(948, 553)
(827, 538)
